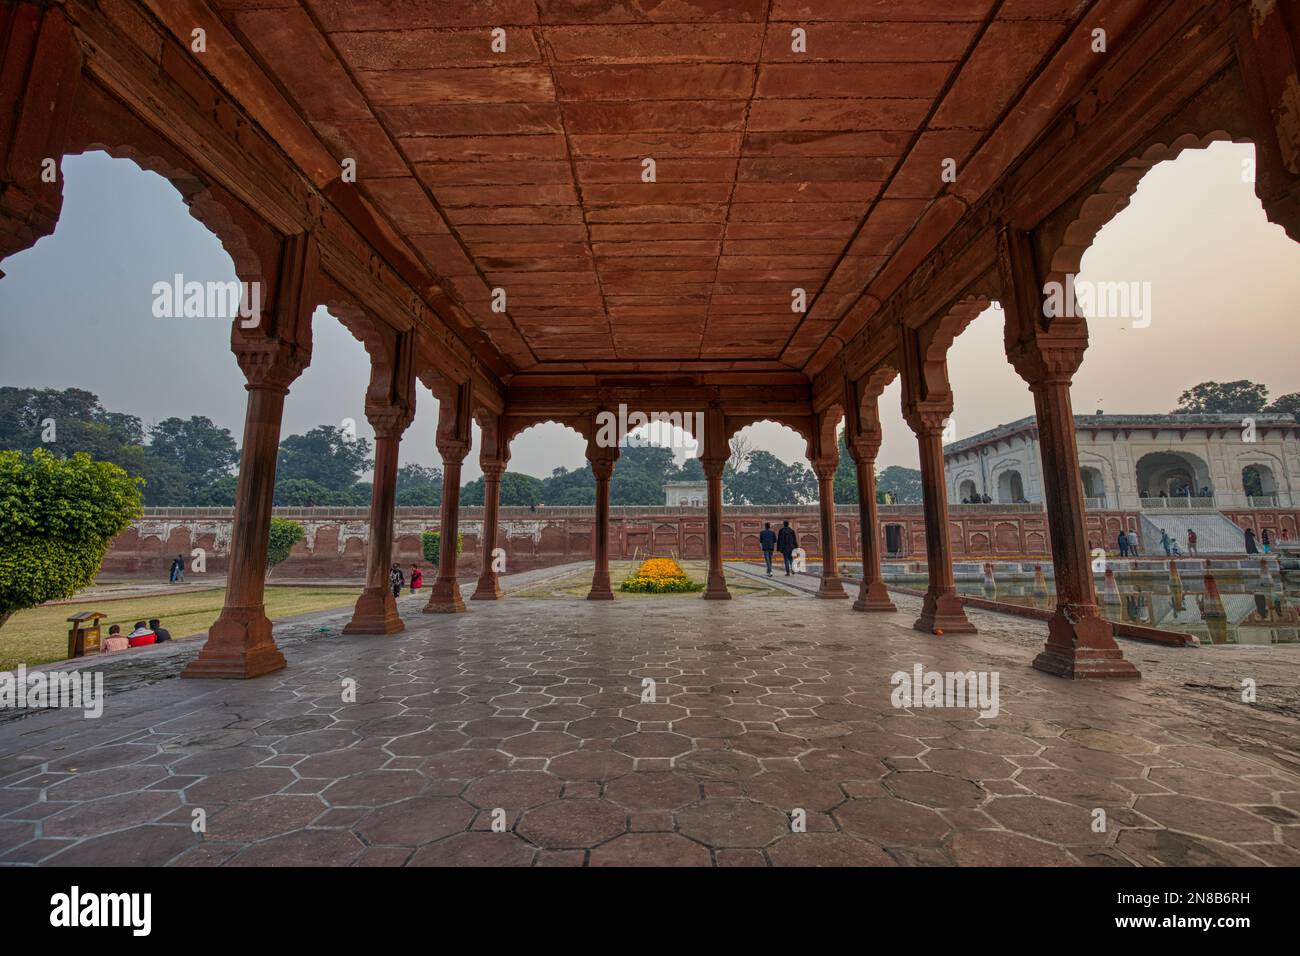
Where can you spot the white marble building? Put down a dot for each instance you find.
(686, 494)
(1130, 462)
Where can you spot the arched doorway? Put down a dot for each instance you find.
(1011, 488)
(1094, 485)
(1258, 482)
(1173, 474)
(966, 491)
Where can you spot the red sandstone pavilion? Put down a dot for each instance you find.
(465, 186)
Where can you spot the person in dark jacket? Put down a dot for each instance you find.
(786, 542)
(160, 632)
(396, 579)
(767, 541)
(1123, 545)
(1250, 542)
(177, 573)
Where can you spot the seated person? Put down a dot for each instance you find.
(161, 633)
(141, 636)
(116, 640)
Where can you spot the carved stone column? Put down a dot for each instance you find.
(453, 446)
(872, 595)
(716, 587)
(271, 354)
(376, 609)
(489, 588)
(602, 465)
(831, 586)
(1080, 642)
(941, 609)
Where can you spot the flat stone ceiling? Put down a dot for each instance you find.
(775, 169)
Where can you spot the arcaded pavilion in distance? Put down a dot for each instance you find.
(757, 210)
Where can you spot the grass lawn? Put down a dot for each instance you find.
(579, 583)
(40, 635)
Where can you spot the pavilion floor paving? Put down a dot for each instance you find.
(516, 734)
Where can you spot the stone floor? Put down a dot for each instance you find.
(528, 713)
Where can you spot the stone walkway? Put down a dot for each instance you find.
(527, 715)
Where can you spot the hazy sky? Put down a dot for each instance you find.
(76, 310)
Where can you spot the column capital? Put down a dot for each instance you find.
(492, 469)
(602, 468)
(1047, 359)
(865, 447)
(388, 421)
(453, 452)
(713, 467)
(928, 419)
(825, 468)
(270, 364)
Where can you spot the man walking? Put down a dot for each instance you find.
(1165, 542)
(177, 575)
(1123, 545)
(396, 579)
(767, 541)
(1132, 544)
(1191, 542)
(786, 542)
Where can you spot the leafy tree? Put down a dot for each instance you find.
(196, 452)
(431, 545)
(420, 496)
(75, 421)
(414, 476)
(305, 493)
(846, 476)
(903, 483)
(692, 469)
(284, 535)
(324, 455)
(517, 490)
(219, 494)
(1286, 404)
(566, 487)
(57, 519)
(770, 481)
(1224, 398)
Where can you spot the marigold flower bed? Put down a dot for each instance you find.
(660, 576)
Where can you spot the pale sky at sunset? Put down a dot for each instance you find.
(75, 310)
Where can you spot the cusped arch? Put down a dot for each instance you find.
(804, 425)
(1113, 195)
(512, 426)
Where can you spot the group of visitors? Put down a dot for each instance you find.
(784, 541)
(397, 580)
(1264, 541)
(142, 635)
(1171, 546)
(1128, 544)
(977, 500)
(1180, 491)
(177, 573)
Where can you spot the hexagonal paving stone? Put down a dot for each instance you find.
(785, 790)
(650, 849)
(1217, 821)
(591, 765)
(827, 849)
(708, 727)
(303, 848)
(514, 790)
(540, 743)
(720, 764)
(889, 823)
(416, 822)
(1082, 790)
(477, 848)
(652, 791)
(263, 817)
(934, 789)
(572, 823)
(732, 822)
(374, 788)
(997, 848)
(1060, 823)
(762, 743)
(653, 744)
(110, 813)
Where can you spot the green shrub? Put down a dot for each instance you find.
(431, 542)
(284, 535)
(57, 518)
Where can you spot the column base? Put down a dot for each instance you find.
(715, 588)
(445, 598)
(595, 595)
(239, 646)
(944, 613)
(873, 597)
(600, 589)
(831, 587)
(488, 589)
(375, 613)
(1081, 645)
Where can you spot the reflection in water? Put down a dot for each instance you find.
(1226, 607)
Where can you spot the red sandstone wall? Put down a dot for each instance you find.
(335, 546)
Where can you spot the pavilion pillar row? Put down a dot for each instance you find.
(272, 354)
(863, 440)
(825, 463)
(927, 405)
(453, 441)
(1080, 642)
(602, 466)
(493, 457)
(714, 461)
(389, 415)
